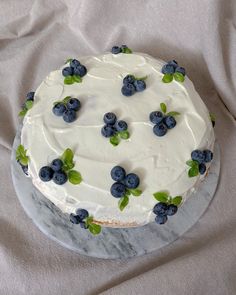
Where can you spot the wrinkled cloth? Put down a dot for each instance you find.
(36, 37)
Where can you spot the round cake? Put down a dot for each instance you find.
(139, 135)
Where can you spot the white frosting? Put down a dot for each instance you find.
(160, 162)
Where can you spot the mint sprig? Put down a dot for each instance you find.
(164, 197)
(27, 106)
(124, 201)
(63, 101)
(126, 50)
(163, 108)
(94, 228)
(68, 80)
(194, 168)
(21, 155)
(68, 60)
(167, 78)
(115, 139)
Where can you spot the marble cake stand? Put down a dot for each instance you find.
(111, 243)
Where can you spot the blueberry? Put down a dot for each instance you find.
(69, 116)
(68, 71)
(208, 156)
(160, 129)
(60, 177)
(107, 131)
(121, 125)
(83, 225)
(128, 89)
(82, 213)
(173, 63)
(118, 190)
(160, 208)
(80, 70)
(45, 173)
(131, 180)
(202, 168)
(116, 49)
(109, 118)
(156, 117)
(73, 104)
(56, 164)
(74, 63)
(180, 70)
(161, 219)
(171, 210)
(118, 173)
(25, 169)
(128, 79)
(139, 85)
(30, 95)
(74, 219)
(170, 122)
(198, 156)
(168, 69)
(59, 109)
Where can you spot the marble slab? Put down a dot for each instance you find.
(111, 243)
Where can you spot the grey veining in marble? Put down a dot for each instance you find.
(111, 243)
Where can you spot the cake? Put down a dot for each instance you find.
(134, 135)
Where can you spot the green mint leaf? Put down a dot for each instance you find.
(126, 50)
(179, 77)
(176, 200)
(94, 228)
(142, 78)
(29, 104)
(68, 60)
(68, 80)
(124, 134)
(161, 196)
(167, 78)
(163, 107)
(190, 163)
(77, 78)
(135, 192)
(22, 112)
(123, 202)
(88, 220)
(193, 171)
(24, 160)
(21, 155)
(114, 140)
(74, 177)
(173, 114)
(128, 192)
(67, 159)
(66, 99)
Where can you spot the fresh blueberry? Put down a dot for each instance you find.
(128, 79)
(171, 210)
(74, 63)
(108, 131)
(128, 89)
(131, 180)
(118, 190)
(160, 208)
(69, 116)
(121, 125)
(59, 109)
(80, 70)
(168, 69)
(83, 225)
(208, 156)
(160, 129)
(109, 118)
(30, 95)
(82, 213)
(173, 63)
(180, 70)
(60, 177)
(118, 173)
(73, 104)
(116, 49)
(170, 122)
(56, 164)
(156, 117)
(202, 168)
(46, 173)
(198, 156)
(161, 219)
(74, 219)
(25, 169)
(139, 85)
(68, 71)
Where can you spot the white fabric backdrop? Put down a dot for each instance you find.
(35, 38)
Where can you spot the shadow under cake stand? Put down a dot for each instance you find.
(111, 243)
